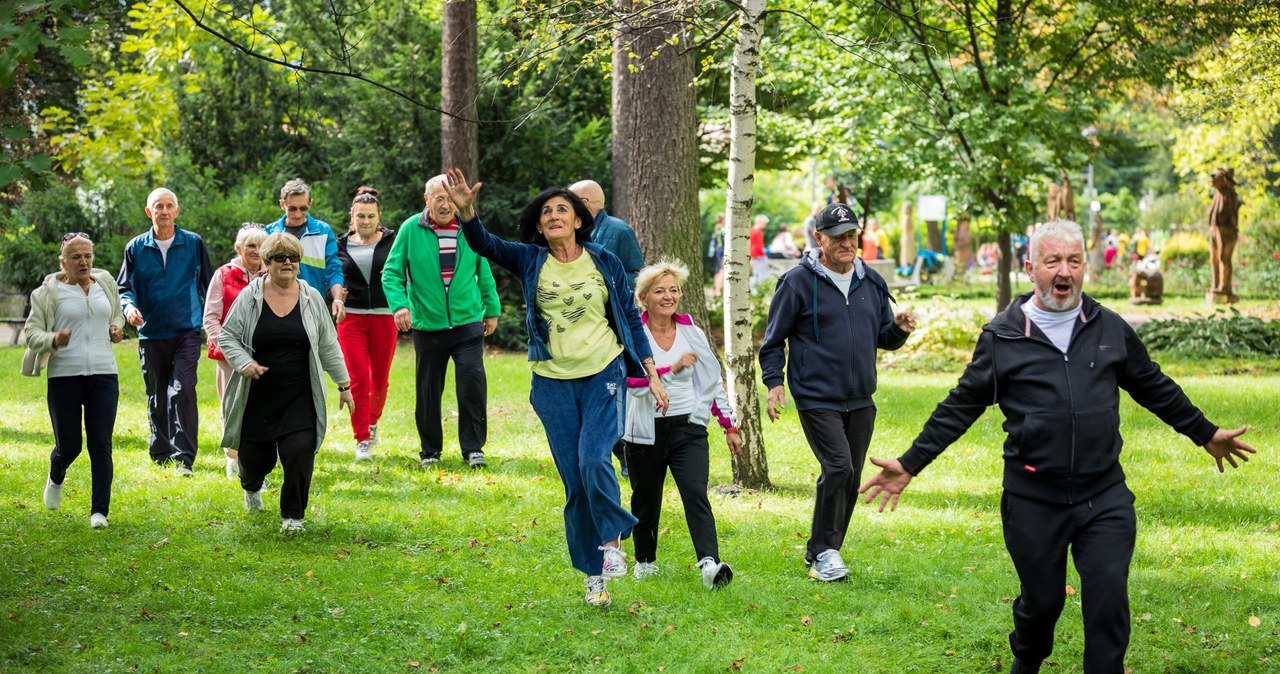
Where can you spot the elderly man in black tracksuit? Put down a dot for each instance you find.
(1055, 362)
(832, 312)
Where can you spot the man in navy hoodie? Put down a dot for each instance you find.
(832, 313)
(1055, 361)
(163, 281)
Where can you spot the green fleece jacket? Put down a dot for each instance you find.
(411, 280)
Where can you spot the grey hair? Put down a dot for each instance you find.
(438, 181)
(295, 186)
(1062, 230)
(251, 236)
(652, 273)
(160, 192)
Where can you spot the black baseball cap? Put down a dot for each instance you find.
(836, 219)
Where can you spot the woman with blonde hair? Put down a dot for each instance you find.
(75, 318)
(676, 441)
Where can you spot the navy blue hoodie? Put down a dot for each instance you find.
(831, 339)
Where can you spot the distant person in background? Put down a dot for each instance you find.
(715, 251)
(1112, 248)
(882, 238)
(784, 244)
(368, 332)
(609, 231)
(1141, 244)
(163, 281)
(1122, 245)
(870, 240)
(321, 268)
(810, 243)
(759, 263)
(280, 342)
(75, 317)
(224, 288)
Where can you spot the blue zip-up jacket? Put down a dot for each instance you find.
(321, 266)
(169, 293)
(618, 238)
(831, 339)
(525, 260)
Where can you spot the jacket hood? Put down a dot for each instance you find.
(56, 277)
(1013, 320)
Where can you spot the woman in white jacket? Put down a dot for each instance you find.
(676, 441)
(75, 317)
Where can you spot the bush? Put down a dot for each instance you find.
(1190, 248)
(31, 235)
(1221, 335)
(943, 339)
(511, 334)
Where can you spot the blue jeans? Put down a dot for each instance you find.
(583, 420)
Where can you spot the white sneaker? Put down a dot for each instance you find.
(289, 525)
(364, 451)
(373, 435)
(615, 562)
(597, 595)
(181, 469)
(253, 500)
(98, 521)
(429, 462)
(233, 468)
(52, 494)
(715, 574)
(644, 570)
(828, 567)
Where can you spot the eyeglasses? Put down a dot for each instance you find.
(283, 257)
(297, 209)
(252, 225)
(75, 235)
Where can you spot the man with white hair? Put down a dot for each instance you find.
(163, 281)
(1055, 361)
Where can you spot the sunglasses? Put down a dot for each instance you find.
(297, 209)
(75, 235)
(282, 257)
(252, 225)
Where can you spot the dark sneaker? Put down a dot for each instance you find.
(476, 460)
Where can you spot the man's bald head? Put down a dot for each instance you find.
(591, 194)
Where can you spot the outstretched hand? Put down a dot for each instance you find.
(462, 194)
(1226, 445)
(886, 485)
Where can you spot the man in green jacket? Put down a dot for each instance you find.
(440, 289)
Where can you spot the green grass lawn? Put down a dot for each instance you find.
(405, 570)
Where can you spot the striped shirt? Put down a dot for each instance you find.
(448, 235)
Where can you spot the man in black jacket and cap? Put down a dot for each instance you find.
(1055, 362)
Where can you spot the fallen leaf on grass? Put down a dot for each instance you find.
(1254, 621)
(160, 543)
(805, 620)
(310, 574)
(671, 628)
(949, 653)
(569, 631)
(596, 633)
(1071, 591)
(736, 665)
(413, 663)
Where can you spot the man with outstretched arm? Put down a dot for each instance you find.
(1055, 361)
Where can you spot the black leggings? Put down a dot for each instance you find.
(680, 447)
(297, 452)
(98, 396)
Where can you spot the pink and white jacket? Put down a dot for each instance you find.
(707, 383)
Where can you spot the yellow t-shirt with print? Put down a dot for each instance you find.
(573, 298)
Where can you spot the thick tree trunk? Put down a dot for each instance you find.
(655, 144)
(907, 240)
(750, 467)
(934, 236)
(459, 145)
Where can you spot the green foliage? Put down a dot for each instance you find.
(944, 339)
(1185, 249)
(1180, 211)
(1220, 335)
(32, 235)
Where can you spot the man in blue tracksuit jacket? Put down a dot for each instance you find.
(832, 312)
(163, 281)
(321, 267)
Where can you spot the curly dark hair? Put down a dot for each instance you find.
(532, 213)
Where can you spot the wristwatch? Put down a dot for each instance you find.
(343, 389)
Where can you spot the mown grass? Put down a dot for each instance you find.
(405, 570)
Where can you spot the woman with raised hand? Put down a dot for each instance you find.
(585, 339)
(279, 341)
(368, 332)
(224, 288)
(75, 317)
(677, 442)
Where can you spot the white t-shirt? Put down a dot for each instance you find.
(1056, 325)
(843, 281)
(164, 248)
(679, 385)
(89, 319)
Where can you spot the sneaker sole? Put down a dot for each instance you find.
(828, 579)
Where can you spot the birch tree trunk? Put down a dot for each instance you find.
(655, 142)
(750, 467)
(459, 140)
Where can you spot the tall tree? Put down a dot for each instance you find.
(459, 144)
(750, 466)
(655, 139)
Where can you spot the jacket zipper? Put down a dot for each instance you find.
(1071, 402)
